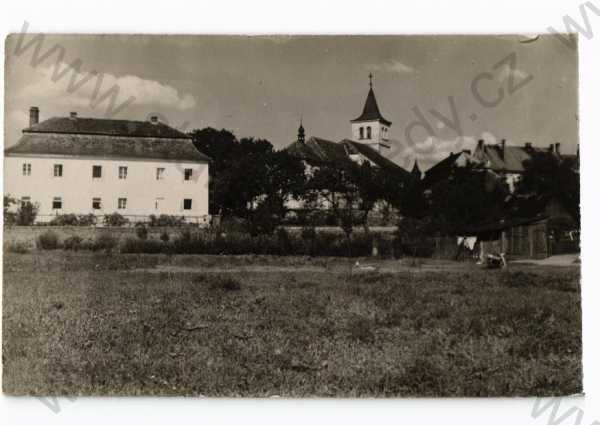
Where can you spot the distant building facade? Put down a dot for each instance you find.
(74, 165)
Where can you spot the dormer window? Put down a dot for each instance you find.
(368, 132)
(361, 132)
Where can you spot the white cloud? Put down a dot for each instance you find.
(393, 66)
(43, 87)
(429, 151)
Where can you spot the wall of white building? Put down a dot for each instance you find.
(145, 194)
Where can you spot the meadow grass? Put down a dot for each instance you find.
(115, 324)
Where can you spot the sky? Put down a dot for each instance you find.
(442, 93)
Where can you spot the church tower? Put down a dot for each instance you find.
(371, 128)
(301, 132)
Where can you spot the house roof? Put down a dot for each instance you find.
(106, 138)
(108, 127)
(511, 160)
(374, 156)
(323, 151)
(107, 146)
(371, 110)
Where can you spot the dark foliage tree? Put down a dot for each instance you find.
(470, 195)
(350, 192)
(248, 174)
(555, 177)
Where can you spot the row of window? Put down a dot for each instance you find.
(361, 132)
(57, 203)
(97, 172)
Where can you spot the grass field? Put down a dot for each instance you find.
(84, 323)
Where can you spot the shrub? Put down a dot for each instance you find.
(104, 241)
(141, 231)
(142, 246)
(165, 220)
(164, 236)
(87, 220)
(64, 220)
(284, 243)
(308, 233)
(26, 214)
(115, 220)
(9, 217)
(73, 220)
(220, 283)
(19, 247)
(73, 243)
(47, 240)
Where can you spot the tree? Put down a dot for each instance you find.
(469, 195)
(220, 146)
(247, 174)
(554, 177)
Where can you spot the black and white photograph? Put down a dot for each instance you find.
(297, 216)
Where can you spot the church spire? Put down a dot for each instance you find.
(300, 132)
(416, 171)
(371, 109)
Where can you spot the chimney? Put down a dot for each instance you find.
(73, 115)
(503, 146)
(557, 148)
(528, 145)
(34, 115)
(480, 144)
(154, 119)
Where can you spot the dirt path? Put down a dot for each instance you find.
(397, 268)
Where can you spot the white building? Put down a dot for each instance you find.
(80, 165)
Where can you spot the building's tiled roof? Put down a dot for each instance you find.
(374, 156)
(511, 161)
(107, 146)
(322, 151)
(371, 110)
(106, 127)
(302, 151)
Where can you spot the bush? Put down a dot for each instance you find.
(73, 220)
(142, 246)
(26, 214)
(104, 242)
(19, 247)
(9, 217)
(47, 240)
(87, 220)
(115, 220)
(64, 220)
(73, 243)
(165, 220)
(220, 283)
(141, 231)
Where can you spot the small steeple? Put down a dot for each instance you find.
(416, 171)
(301, 132)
